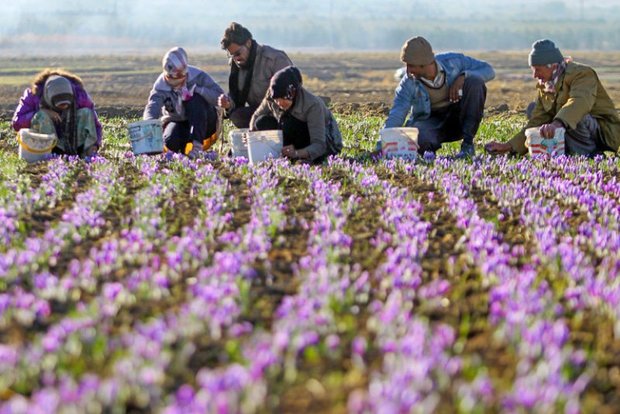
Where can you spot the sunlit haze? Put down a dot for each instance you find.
(101, 26)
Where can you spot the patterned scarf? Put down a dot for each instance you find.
(439, 80)
(549, 86)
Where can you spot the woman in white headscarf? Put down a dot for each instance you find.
(185, 99)
(57, 103)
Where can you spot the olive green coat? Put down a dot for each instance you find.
(578, 92)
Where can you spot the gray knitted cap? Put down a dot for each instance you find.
(544, 52)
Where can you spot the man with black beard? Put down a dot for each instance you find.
(251, 67)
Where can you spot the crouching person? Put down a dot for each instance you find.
(571, 96)
(443, 95)
(57, 103)
(184, 98)
(309, 130)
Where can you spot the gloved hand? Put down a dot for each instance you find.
(187, 94)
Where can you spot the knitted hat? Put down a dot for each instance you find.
(544, 52)
(417, 51)
(175, 62)
(285, 83)
(57, 91)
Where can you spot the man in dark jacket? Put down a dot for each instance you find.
(251, 67)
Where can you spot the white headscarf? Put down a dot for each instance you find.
(175, 63)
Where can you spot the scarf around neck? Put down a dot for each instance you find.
(549, 86)
(66, 129)
(240, 97)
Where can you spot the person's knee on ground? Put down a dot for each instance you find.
(176, 136)
(202, 118)
(427, 141)
(42, 123)
(295, 132)
(239, 120)
(585, 139)
(240, 117)
(530, 110)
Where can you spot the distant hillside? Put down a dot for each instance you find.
(100, 25)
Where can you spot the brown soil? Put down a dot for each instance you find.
(120, 84)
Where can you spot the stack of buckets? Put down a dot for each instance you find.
(256, 145)
(34, 146)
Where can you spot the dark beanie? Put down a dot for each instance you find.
(544, 52)
(285, 83)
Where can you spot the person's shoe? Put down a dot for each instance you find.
(467, 151)
(195, 153)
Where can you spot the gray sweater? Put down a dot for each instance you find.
(205, 86)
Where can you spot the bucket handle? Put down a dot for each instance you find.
(35, 151)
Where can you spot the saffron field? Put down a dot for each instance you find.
(161, 284)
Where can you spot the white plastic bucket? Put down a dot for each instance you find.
(146, 137)
(537, 145)
(239, 139)
(399, 142)
(264, 144)
(34, 146)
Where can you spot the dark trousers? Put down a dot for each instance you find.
(294, 131)
(201, 123)
(458, 121)
(240, 117)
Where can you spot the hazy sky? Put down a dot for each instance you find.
(91, 25)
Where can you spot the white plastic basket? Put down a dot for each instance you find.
(35, 147)
(239, 139)
(537, 145)
(146, 137)
(264, 144)
(399, 142)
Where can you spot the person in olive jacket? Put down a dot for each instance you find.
(309, 130)
(251, 67)
(570, 96)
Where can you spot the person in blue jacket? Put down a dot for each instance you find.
(443, 95)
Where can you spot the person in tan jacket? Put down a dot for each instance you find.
(309, 130)
(251, 67)
(570, 96)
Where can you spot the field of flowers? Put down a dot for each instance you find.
(161, 284)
